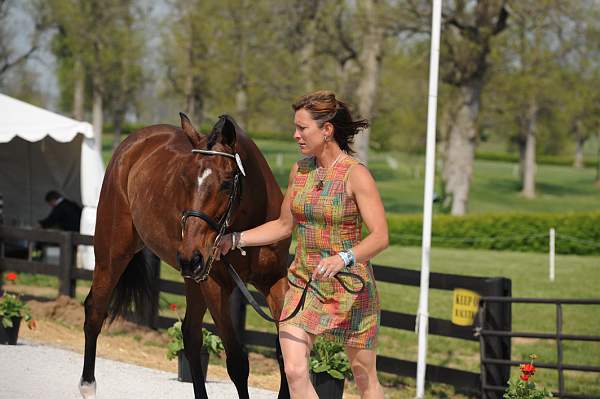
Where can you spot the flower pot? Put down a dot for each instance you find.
(9, 335)
(184, 373)
(327, 386)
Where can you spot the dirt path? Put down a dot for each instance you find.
(59, 323)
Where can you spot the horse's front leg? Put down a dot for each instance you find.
(237, 358)
(192, 335)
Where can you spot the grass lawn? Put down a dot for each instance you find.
(494, 188)
(576, 277)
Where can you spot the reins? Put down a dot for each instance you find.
(244, 290)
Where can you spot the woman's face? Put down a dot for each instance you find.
(308, 134)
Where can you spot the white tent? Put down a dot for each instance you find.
(41, 151)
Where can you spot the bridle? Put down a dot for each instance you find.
(224, 221)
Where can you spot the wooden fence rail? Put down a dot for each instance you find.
(498, 315)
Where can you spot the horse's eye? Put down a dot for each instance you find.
(226, 185)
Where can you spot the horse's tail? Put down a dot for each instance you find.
(134, 296)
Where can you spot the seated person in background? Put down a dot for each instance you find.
(65, 214)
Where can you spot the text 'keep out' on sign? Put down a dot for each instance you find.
(464, 306)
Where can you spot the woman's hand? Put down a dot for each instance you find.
(225, 244)
(328, 267)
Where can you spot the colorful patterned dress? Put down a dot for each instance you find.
(326, 222)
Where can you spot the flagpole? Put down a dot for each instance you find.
(422, 313)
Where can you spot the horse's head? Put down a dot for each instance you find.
(212, 184)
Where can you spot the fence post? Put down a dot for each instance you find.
(498, 316)
(67, 284)
(552, 251)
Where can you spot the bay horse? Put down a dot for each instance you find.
(175, 192)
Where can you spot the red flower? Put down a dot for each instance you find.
(11, 276)
(528, 369)
(524, 377)
(173, 307)
(32, 324)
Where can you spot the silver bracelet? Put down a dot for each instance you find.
(348, 257)
(352, 257)
(237, 242)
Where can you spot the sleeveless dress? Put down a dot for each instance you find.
(327, 221)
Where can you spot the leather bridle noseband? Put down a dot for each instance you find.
(224, 222)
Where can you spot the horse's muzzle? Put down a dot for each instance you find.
(194, 268)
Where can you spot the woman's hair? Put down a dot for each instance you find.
(324, 107)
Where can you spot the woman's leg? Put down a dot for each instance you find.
(295, 347)
(363, 363)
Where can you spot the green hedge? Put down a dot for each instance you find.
(576, 233)
(540, 159)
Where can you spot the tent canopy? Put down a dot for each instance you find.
(31, 123)
(41, 151)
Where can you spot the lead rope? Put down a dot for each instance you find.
(240, 283)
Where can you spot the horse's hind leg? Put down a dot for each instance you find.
(192, 335)
(107, 273)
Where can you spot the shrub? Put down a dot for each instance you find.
(328, 356)
(576, 233)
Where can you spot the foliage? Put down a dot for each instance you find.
(540, 159)
(524, 388)
(580, 231)
(210, 341)
(328, 356)
(11, 306)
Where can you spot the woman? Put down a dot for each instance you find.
(329, 196)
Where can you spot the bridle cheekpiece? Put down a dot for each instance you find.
(225, 220)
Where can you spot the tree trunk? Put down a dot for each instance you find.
(118, 126)
(460, 147)
(194, 105)
(580, 140)
(522, 155)
(241, 95)
(79, 90)
(528, 162)
(529, 170)
(307, 57)
(370, 61)
(97, 116)
(190, 99)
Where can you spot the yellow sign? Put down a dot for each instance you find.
(464, 306)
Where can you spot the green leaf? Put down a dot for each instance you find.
(336, 374)
(7, 322)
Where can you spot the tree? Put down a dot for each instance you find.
(525, 80)
(191, 51)
(9, 57)
(469, 27)
(125, 82)
(89, 46)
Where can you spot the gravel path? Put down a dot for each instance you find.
(30, 370)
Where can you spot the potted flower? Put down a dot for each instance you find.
(210, 344)
(12, 310)
(524, 387)
(329, 366)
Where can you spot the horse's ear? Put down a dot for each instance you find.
(223, 132)
(189, 130)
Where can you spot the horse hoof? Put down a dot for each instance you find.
(87, 389)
